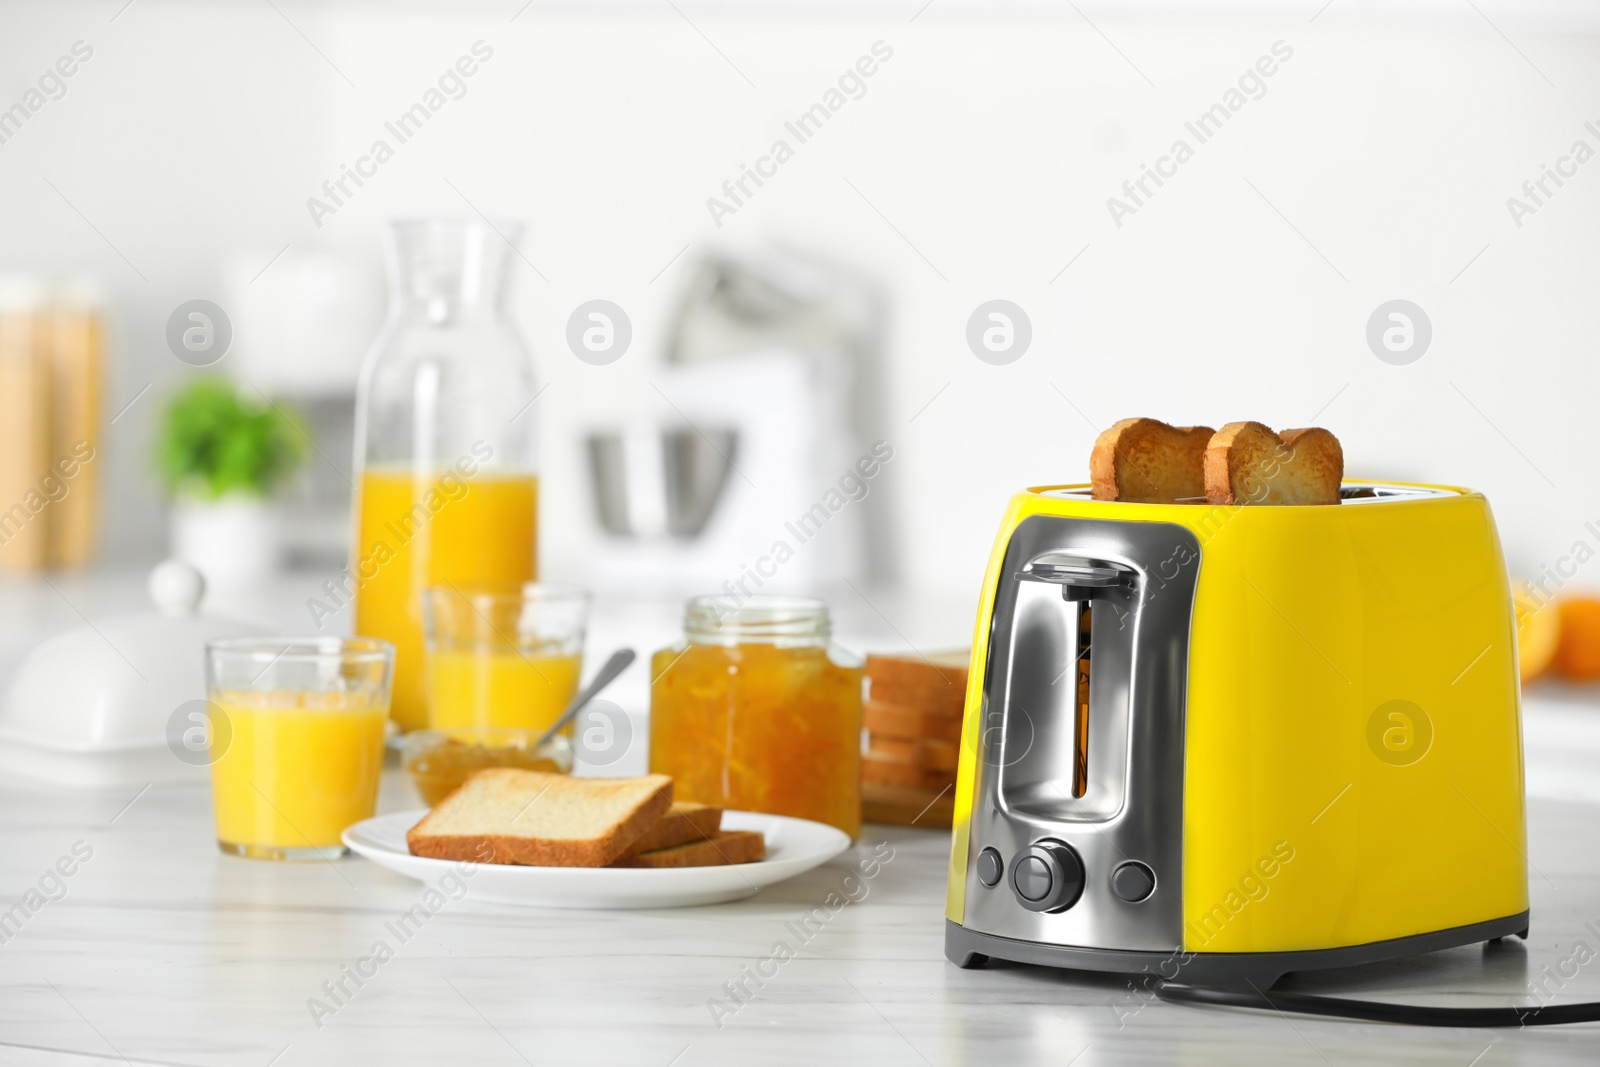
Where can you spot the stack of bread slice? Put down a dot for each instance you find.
(508, 815)
(912, 717)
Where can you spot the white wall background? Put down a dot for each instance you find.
(990, 141)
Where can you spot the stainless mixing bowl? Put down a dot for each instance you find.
(652, 481)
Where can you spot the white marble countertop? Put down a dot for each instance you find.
(162, 950)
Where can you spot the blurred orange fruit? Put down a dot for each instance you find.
(1578, 649)
(1538, 634)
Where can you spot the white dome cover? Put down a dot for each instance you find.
(90, 707)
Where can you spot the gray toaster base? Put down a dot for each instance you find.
(966, 948)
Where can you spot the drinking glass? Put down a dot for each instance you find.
(296, 729)
(503, 657)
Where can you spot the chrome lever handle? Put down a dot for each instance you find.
(1061, 574)
(1077, 581)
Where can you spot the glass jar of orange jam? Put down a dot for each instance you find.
(755, 710)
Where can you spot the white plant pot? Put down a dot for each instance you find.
(234, 540)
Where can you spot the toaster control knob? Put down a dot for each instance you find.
(1047, 876)
(991, 868)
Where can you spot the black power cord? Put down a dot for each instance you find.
(1380, 1012)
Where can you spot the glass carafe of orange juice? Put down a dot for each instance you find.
(445, 441)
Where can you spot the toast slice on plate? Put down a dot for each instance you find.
(684, 824)
(1246, 463)
(723, 847)
(542, 820)
(1145, 461)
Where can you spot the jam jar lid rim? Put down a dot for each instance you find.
(764, 617)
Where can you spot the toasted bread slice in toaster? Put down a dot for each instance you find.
(1145, 461)
(1246, 463)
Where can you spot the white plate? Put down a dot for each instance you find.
(793, 847)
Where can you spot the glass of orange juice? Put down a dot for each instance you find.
(296, 730)
(500, 657)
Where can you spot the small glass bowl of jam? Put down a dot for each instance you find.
(439, 761)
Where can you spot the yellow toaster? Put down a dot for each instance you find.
(1219, 743)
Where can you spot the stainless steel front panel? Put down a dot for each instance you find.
(1132, 808)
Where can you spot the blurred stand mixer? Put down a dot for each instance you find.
(732, 484)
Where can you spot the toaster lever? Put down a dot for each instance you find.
(1078, 580)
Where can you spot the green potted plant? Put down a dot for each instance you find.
(221, 456)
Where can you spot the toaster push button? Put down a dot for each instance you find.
(1047, 876)
(1033, 879)
(1133, 881)
(990, 867)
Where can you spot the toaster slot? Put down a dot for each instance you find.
(1080, 762)
(1062, 742)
